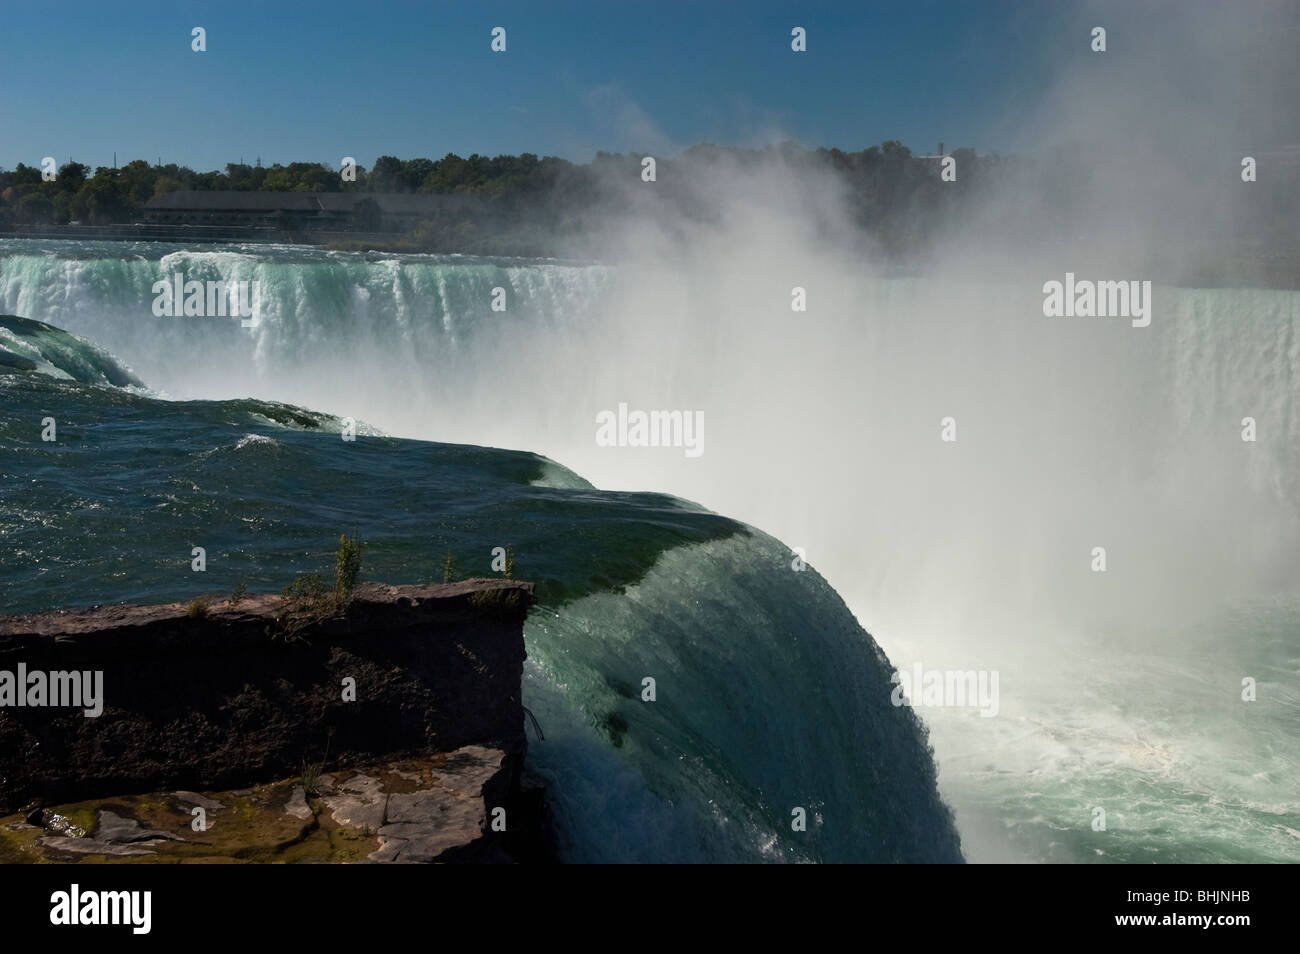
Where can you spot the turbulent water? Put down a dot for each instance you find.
(1119, 691)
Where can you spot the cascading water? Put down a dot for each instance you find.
(823, 427)
(771, 700)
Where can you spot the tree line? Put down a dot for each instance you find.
(885, 182)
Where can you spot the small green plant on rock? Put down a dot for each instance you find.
(306, 601)
(347, 564)
(311, 773)
(498, 604)
(309, 600)
(448, 568)
(198, 608)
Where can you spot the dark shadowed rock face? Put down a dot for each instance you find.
(238, 694)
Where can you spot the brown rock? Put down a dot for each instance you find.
(221, 700)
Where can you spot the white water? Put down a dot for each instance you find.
(823, 428)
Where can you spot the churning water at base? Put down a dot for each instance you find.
(1153, 743)
(1120, 691)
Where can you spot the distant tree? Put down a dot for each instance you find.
(103, 202)
(26, 175)
(137, 180)
(165, 186)
(71, 176)
(277, 179)
(35, 209)
(547, 205)
(386, 175)
(446, 173)
(413, 173)
(239, 175)
(62, 203)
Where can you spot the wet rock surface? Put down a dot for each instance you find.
(431, 810)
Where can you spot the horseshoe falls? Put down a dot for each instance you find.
(1119, 691)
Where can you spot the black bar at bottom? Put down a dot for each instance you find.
(331, 904)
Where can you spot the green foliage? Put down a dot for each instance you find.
(448, 568)
(307, 586)
(498, 604)
(238, 594)
(311, 773)
(165, 185)
(509, 571)
(308, 592)
(35, 208)
(309, 600)
(529, 205)
(306, 601)
(347, 564)
(72, 176)
(386, 175)
(198, 608)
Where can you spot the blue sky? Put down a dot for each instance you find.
(321, 80)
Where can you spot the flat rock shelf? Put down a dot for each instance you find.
(386, 727)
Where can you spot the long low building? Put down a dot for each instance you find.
(314, 211)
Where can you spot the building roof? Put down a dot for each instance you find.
(245, 201)
(236, 201)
